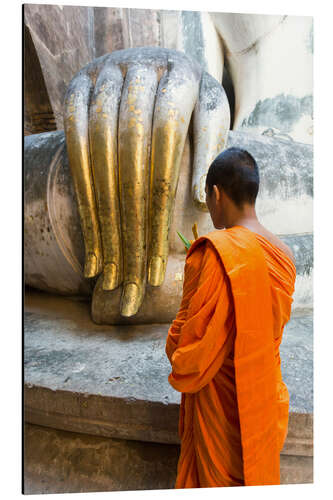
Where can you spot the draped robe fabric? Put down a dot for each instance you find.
(223, 347)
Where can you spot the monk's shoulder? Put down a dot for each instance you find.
(276, 241)
(287, 250)
(204, 255)
(196, 253)
(207, 248)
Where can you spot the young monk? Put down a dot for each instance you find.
(223, 345)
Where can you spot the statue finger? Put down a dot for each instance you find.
(211, 123)
(135, 119)
(76, 131)
(103, 135)
(176, 97)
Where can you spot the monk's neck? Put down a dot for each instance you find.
(242, 217)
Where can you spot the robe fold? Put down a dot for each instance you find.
(223, 347)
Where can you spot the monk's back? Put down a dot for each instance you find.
(259, 229)
(282, 273)
(281, 268)
(200, 346)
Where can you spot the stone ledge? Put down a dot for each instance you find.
(111, 381)
(119, 418)
(56, 461)
(132, 419)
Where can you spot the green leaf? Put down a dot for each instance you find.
(186, 242)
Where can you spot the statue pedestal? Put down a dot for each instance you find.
(107, 388)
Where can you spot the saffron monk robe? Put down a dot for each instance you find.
(223, 345)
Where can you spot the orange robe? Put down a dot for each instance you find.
(223, 347)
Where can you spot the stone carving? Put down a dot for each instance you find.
(125, 112)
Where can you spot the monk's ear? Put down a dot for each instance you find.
(217, 193)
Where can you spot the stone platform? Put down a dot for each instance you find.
(110, 383)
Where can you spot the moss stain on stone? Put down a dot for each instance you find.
(281, 112)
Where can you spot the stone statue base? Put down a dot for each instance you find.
(97, 392)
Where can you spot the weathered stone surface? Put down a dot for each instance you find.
(63, 37)
(297, 361)
(270, 59)
(66, 462)
(302, 248)
(299, 441)
(296, 469)
(112, 380)
(53, 243)
(38, 113)
(117, 29)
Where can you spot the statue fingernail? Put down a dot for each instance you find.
(131, 300)
(90, 268)
(110, 276)
(156, 271)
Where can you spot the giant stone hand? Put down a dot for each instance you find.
(127, 115)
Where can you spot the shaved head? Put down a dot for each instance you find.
(236, 172)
